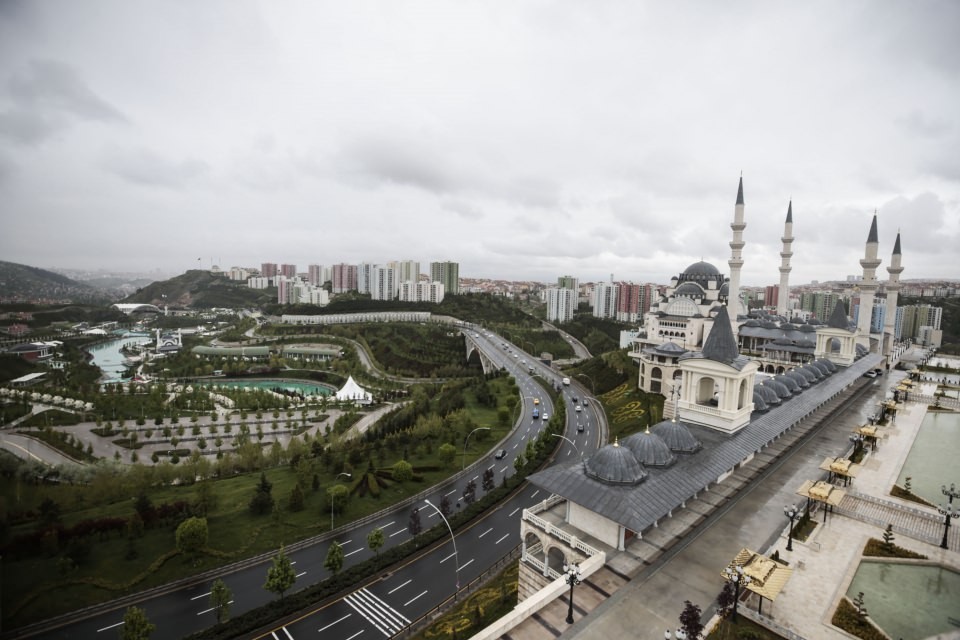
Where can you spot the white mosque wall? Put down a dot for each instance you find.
(605, 530)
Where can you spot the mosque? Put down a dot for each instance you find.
(736, 381)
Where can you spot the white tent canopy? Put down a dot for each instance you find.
(352, 392)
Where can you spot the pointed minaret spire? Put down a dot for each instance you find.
(783, 292)
(868, 286)
(893, 291)
(736, 255)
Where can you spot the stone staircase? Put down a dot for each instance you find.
(913, 522)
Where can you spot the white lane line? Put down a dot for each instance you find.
(334, 622)
(211, 609)
(384, 526)
(345, 543)
(502, 470)
(292, 562)
(287, 633)
(385, 618)
(534, 494)
(396, 533)
(202, 595)
(505, 536)
(513, 512)
(569, 452)
(490, 467)
(432, 514)
(465, 566)
(448, 557)
(476, 477)
(302, 573)
(407, 604)
(351, 637)
(485, 532)
(516, 445)
(347, 555)
(450, 492)
(400, 587)
(110, 627)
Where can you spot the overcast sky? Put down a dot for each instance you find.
(522, 139)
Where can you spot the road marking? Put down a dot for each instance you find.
(490, 467)
(396, 533)
(385, 618)
(534, 494)
(502, 470)
(347, 555)
(486, 532)
(384, 526)
(343, 544)
(513, 512)
(400, 587)
(407, 604)
(200, 596)
(448, 557)
(449, 492)
(465, 566)
(334, 622)
(516, 445)
(569, 452)
(476, 477)
(432, 514)
(287, 632)
(351, 637)
(110, 627)
(212, 608)
(505, 536)
(302, 573)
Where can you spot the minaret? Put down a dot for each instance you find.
(786, 253)
(893, 289)
(868, 286)
(736, 261)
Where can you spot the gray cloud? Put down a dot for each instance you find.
(145, 167)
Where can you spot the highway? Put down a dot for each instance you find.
(388, 604)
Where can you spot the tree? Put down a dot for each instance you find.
(888, 545)
(690, 620)
(519, 462)
(281, 575)
(337, 497)
(296, 498)
(445, 506)
(402, 471)
(220, 599)
(262, 501)
(334, 560)
(414, 526)
(136, 626)
(192, 535)
(470, 492)
(375, 540)
(488, 481)
(447, 453)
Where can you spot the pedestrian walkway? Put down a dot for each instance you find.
(919, 524)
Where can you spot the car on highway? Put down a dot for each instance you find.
(870, 374)
(545, 417)
(579, 428)
(500, 454)
(536, 401)
(579, 409)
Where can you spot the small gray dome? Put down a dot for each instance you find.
(689, 289)
(677, 436)
(758, 403)
(650, 449)
(786, 326)
(724, 289)
(798, 377)
(806, 328)
(819, 366)
(768, 393)
(814, 370)
(788, 383)
(614, 464)
(809, 375)
(831, 367)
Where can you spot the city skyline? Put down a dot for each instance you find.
(524, 142)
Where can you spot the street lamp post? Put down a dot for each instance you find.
(948, 510)
(573, 578)
(593, 390)
(453, 539)
(736, 575)
(342, 473)
(463, 463)
(791, 512)
(572, 443)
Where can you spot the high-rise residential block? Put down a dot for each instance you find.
(288, 270)
(448, 274)
(343, 278)
(561, 303)
(268, 269)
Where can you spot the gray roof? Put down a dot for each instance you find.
(677, 436)
(701, 269)
(872, 237)
(740, 191)
(639, 507)
(790, 211)
(689, 288)
(650, 449)
(838, 319)
(671, 349)
(896, 245)
(720, 345)
(614, 465)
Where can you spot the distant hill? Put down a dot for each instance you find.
(22, 283)
(202, 290)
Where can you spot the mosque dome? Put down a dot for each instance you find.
(806, 328)
(701, 269)
(677, 436)
(650, 449)
(614, 464)
(798, 377)
(809, 374)
(788, 383)
(767, 392)
(831, 367)
(819, 366)
(689, 289)
(684, 307)
(724, 290)
(758, 404)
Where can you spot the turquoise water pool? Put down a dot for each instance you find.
(298, 386)
(932, 459)
(909, 601)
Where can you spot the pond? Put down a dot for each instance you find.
(109, 358)
(295, 386)
(932, 459)
(909, 601)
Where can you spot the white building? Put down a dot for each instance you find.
(605, 299)
(561, 303)
(383, 283)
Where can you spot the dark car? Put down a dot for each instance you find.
(579, 428)
(500, 454)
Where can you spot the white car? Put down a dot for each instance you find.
(544, 417)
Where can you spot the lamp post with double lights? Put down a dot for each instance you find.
(342, 473)
(739, 579)
(791, 512)
(948, 511)
(573, 578)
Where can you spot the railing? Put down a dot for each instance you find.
(557, 532)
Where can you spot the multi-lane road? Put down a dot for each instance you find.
(383, 607)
